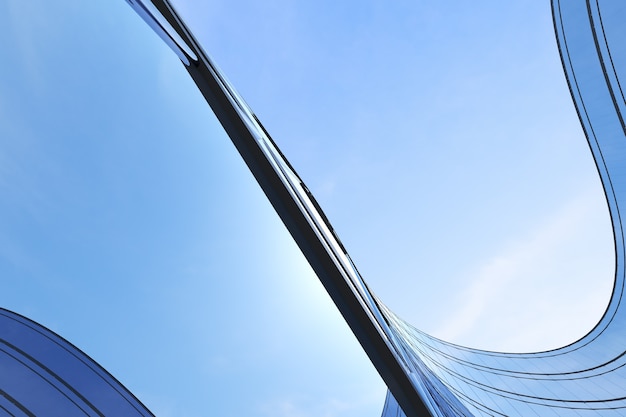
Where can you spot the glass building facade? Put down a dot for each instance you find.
(425, 375)
(43, 374)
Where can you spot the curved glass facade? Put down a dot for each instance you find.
(425, 375)
(43, 374)
(586, 377)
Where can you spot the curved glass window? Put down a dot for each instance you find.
(104, 219)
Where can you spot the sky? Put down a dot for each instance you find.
(440, 140)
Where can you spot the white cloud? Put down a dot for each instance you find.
(546, 290)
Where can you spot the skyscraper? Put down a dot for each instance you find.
(426, 375)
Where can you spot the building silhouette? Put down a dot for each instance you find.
(426, 376)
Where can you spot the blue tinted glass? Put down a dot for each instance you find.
(124, 218)
(43, 371)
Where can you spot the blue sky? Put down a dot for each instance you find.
(439, 139)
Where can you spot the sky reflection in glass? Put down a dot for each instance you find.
(449, 379)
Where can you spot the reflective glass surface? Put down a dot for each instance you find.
(424, 374)
(43, 374)
(584, 378)
(125, 213)
(451, 380)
